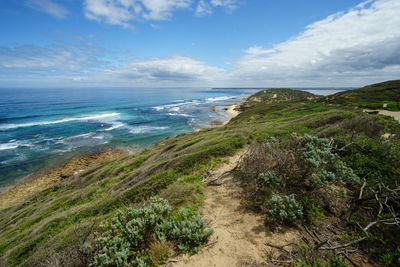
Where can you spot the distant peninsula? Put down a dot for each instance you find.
(294, 88)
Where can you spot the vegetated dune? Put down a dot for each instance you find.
(299, 152)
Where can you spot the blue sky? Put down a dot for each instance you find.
(135, 43)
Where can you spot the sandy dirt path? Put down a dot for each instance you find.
(394, 114)
(239, 234)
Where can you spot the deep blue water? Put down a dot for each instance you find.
(39, 127)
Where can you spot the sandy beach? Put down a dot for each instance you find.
(232, 111)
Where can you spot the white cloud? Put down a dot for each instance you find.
(49, 7)
(351, 48)
(350, 45)
(53, 64)
(205, 7)
(155, 26)
(121, 12)
(258, 50)
(229, 5)
(162, 9)
(167, 70)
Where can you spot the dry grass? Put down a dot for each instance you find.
(160, 252)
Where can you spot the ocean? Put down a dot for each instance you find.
(43, 127)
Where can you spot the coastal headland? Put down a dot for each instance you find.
(292, 177)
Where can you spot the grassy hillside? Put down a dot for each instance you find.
(54, 225)
(371, 96)
(279, 94)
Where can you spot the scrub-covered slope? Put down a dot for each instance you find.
(57, 225)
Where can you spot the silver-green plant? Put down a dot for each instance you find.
(327, 167)
(284, 208)
(269, 179)
(126, 239)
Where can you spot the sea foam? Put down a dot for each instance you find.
(146, 129)
(38, 123)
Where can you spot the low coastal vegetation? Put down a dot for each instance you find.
(320, 164)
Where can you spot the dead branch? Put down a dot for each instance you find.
(348, 258)
(362, 189)
(215, 181)
(212, 243)
(365, 230)
(320, 244)
(312, 234)
(350, 144)
(279, 247)
(170, 260)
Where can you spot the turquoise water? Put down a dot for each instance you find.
(41, 127)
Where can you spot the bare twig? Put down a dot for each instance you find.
(320, 244)
(170, 260)
(215, 181)
(346, 146)
(362, 188)
(365, 230)
(279, 247)
(212, 243)
(350, 260)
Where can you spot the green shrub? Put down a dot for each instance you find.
(386, 258)
(312, 211)
(269, 179)
(326, 166)
(285, 209)
(127, 238)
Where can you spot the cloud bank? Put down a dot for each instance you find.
(122, 12)
(350, 48)
(364, 41)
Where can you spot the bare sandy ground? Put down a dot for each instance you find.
(394, 114)
(232, 112)
(239, 234)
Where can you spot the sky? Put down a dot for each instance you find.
(198, 43)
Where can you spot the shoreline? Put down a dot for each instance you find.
(230, 109)
(33, 183)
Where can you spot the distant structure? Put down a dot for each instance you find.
(384, 105)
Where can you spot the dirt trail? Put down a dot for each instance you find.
(239, 234)
(394, 114)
